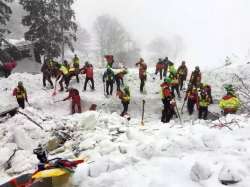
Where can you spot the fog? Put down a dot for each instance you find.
(210, 29)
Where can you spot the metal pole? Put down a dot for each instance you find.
(62, 29)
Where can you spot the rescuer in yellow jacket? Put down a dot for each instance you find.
(124, 95)
(63, 76)
(229, 103)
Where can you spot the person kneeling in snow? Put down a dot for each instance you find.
(124, 95)
(167, 100)
(76, 100)
(229, 103)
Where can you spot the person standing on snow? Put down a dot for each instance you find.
(192, 99)
(63, 76)
(124, 95)
(76, 66)
(207, 88)
(174, 83)
(229, 103)
(89, 71)
(46, 69)
(142, 73)
(195, 78)
(110, 60)
(160, 68)
(167, 100)
(182, 72)
(203, 103)
(109, 78)
(76, 100)
(21, 95)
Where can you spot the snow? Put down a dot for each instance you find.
(124, 153)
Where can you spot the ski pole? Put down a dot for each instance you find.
(143, 109)
(177, 110)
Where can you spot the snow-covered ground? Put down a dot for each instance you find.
(121, 153)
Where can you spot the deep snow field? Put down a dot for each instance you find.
(121, 153)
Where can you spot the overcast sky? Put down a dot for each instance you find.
(211, 29)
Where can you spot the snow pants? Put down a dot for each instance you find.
(86, 82)
(142, 84)
(190, 106)
(76, 105)
(109, 87)
(203, 112)
(125, 108)
(21, 103)
(176, 89)
(47, 78)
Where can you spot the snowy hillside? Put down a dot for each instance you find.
(121, 153)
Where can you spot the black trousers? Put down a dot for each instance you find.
(167, 112)
(86, 82)
(161, 73)
(125, 108)
(190, 106)
(47, 78)
(142, 85)
(203, 111)
(109, 87)
(119, 82)
(176, 88)
(21, 103)
(66, 80)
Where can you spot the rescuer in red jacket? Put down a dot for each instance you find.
(76, 100)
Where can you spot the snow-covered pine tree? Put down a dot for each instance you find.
(5, 13)
(46, 20)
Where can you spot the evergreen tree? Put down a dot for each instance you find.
(51, 25)
(5, 13)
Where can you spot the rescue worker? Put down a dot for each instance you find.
(207, 88)
(167, 100)
(109, 78)
(76, 100)
(46, 69)
(142, 73)
(124, 95)
(203, 103)
(21, 95)
(192, 99)
(229, 103)
(175, 83)
(195, 78)
(76, 66)
(160, 68)
(166, 62)
(110, 60)
(8, 67)
(182, 72)
(89, 71)
(119, 78)
(63, 76)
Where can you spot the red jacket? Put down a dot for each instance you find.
(74, 94)
(142, 70)
(160, 66)
(89, 71)
(9, 66)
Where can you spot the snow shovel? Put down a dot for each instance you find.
(183, 106)
(143, 109)
(177, 110)
(54, 92)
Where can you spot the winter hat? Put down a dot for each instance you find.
(168, 80)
